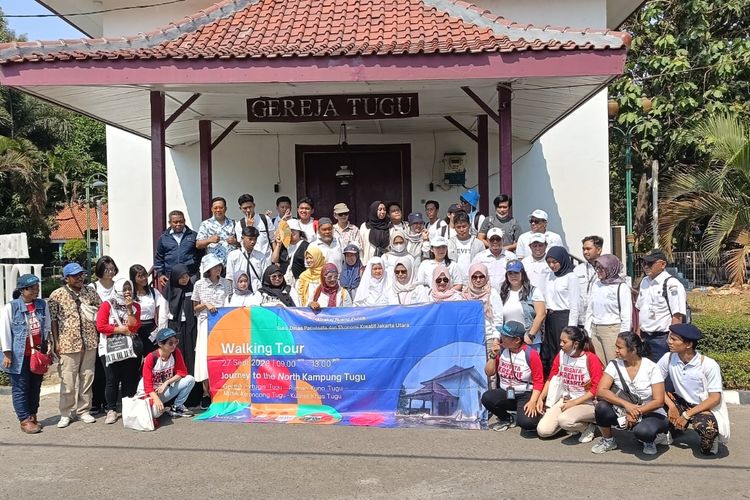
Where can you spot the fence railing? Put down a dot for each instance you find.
(695, 269)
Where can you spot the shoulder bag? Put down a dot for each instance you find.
(625, 393)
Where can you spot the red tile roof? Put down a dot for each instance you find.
(71, 223)
(323, 28)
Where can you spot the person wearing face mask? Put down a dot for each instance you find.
(396, 250)
(441, 289)
(463, 247)
(403, 290)
(372, 288)
(328, 244)
(310, 280)
(120, 315)
(375, 232)
(503, 221)
(561, 296)
(439, 256)
(351, 273)
(329, 293)
(275, 291)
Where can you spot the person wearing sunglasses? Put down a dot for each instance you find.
(538, 222)
(165, 376)
(403, 290)
(344, 231)
(442, 286)
(479, 288)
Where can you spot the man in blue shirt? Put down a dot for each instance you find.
(176, 246)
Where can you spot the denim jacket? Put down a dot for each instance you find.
(14, 329)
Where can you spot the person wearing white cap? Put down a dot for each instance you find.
(439, 255)
(536, 262)
(503, 220)
(344, 231)
(538, 222)
(328, 244)
(495, 257)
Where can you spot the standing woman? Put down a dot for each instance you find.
(403, 290)
(561, 297)
(104, 286)
(351, 272)
(241, 294)
(372, 288)
(120, 315)
(442, 286)
(610, 308)
(479, 288)
(330, 293)
(396, 250)
(151, 301)
(294, 262)
(209, 294)
(439, 257)
(275, 291)
(375, 232)
(24, 322)
(178, 294)
(309, 281)
(523, 302)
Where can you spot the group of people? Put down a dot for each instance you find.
(567, 344)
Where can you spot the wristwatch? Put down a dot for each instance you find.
(493, 355)
(685, 416)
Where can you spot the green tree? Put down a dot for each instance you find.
(75, 250)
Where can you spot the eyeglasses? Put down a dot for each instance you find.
(477, 277)
(647, 264)
(277, 276)
(442, 280)
(399, 271)
(110, 270)
(536, 221)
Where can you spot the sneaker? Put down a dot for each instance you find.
(205, 402)
(503, 424)
(715, 447)
(180, 411)
(87, 418)
(664, 439)
(588, 434)
(650, 449)
(111, 417)
(604, 445)
(63, 423)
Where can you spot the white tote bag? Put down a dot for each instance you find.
(554, 391)
(136, 414)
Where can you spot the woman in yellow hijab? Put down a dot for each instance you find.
(309, 280)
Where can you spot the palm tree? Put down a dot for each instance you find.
(718, 196)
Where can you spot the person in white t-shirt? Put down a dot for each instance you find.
(524, 303)
(434, 223)
(463, 247)
(496, 257)
(439, 256)
(631, 396)
(261, 222)
(329, 245)
(305, 209)
(538, 222)
(536, 263)
(561, 296)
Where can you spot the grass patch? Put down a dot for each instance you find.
(705, 303)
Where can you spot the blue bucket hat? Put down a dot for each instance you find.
(472, 197)
(165, 334)
(72, 269)
(27, 280)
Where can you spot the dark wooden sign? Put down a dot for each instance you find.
(332, 107)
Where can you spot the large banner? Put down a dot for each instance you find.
(398, 366)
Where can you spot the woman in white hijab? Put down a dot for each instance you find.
(403, 290)
(396, 250)
(372, 287)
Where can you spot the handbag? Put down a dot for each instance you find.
(137, 346)
(137, 414)
(89, 311)
(39, 362)
(625, 393)
(554, 391)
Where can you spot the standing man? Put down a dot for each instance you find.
(216, 235)
(344, 231)
(76, 343)
(535, 264)
(305, 209)
(586, 274)
(283, 209)
(176, 245)
(463, 247)
(434, 222)
(329, 245)
(396, 216)
(496, 257)
(503, 220)
(259, 221)
(662, 302)
(538, 223)
(469, 203)
(248, 259)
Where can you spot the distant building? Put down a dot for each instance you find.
(456, 389)
(71, 224)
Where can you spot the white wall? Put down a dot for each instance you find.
(573, 13)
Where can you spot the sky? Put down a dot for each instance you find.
(37, 28)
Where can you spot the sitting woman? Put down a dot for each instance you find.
(371, 291)
(351, 272)
(396, 250)
(439, 257)
(442, 286)
(241, 294)
(309, 280)
(637, 401)
(330, 293)
(479, 288)
(520, 380)
(165, 376)
(275, 291)
(697, 393)
(578, 370)
(403, 290)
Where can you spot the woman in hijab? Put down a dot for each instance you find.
(330, 293)
(561, 297)
(479, 288)
(403, 290)
(351, 273)
(373, 285)
(120, 315)
(396, 250)
(442, 289)
(275, 291)
(310, 279)
(439, 256)
(241, 294)
(610, 308)
(375, 232)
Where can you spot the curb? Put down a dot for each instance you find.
(737, 397)
(46, 389)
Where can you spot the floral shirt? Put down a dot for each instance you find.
(75, 333)
(210, 227)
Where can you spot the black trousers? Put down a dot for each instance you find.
(496, 401)
(144, 332)
(98, 398)
(554, 323)
(126, 373)
(646, 430)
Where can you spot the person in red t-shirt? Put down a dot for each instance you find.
(165, 376)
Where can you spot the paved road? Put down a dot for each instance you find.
(186, 459)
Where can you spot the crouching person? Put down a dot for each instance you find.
(165, 376)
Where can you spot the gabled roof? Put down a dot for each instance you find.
(71, 222)
(237, 29)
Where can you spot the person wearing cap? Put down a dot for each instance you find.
(520, 380)
(417, 239)
(396, 216)
(433, 223)
(502, 220)
(535, 263)
(76, 342)
(496, 257)
(248, 259)
(469, 203)
(351, 272)
(538, 223)
(216, 234)
(165, 376)
(438, 256)
(463, 247)
(344, 231)
(209, 293)
(328, 244)
(25, 322)
(661, 302)
(523, 302)
(696, 396)
(586, 274)
(261, 222)
(375, 232)
(447, 231)
(176, 246)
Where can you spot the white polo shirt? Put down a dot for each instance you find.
(495, 265)
(654, 313)
(586, 275)
(523, 247)
(333, 252)
(538, 271)
(692, 381)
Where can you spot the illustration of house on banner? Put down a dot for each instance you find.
(457, 390)
(340, 100)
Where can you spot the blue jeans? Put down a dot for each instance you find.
(25, 389)
(657, 344)
(179, 390)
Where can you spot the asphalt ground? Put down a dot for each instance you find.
(191, 459)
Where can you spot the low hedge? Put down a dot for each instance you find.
(4, 378)
(723, 334)
(735, 368)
